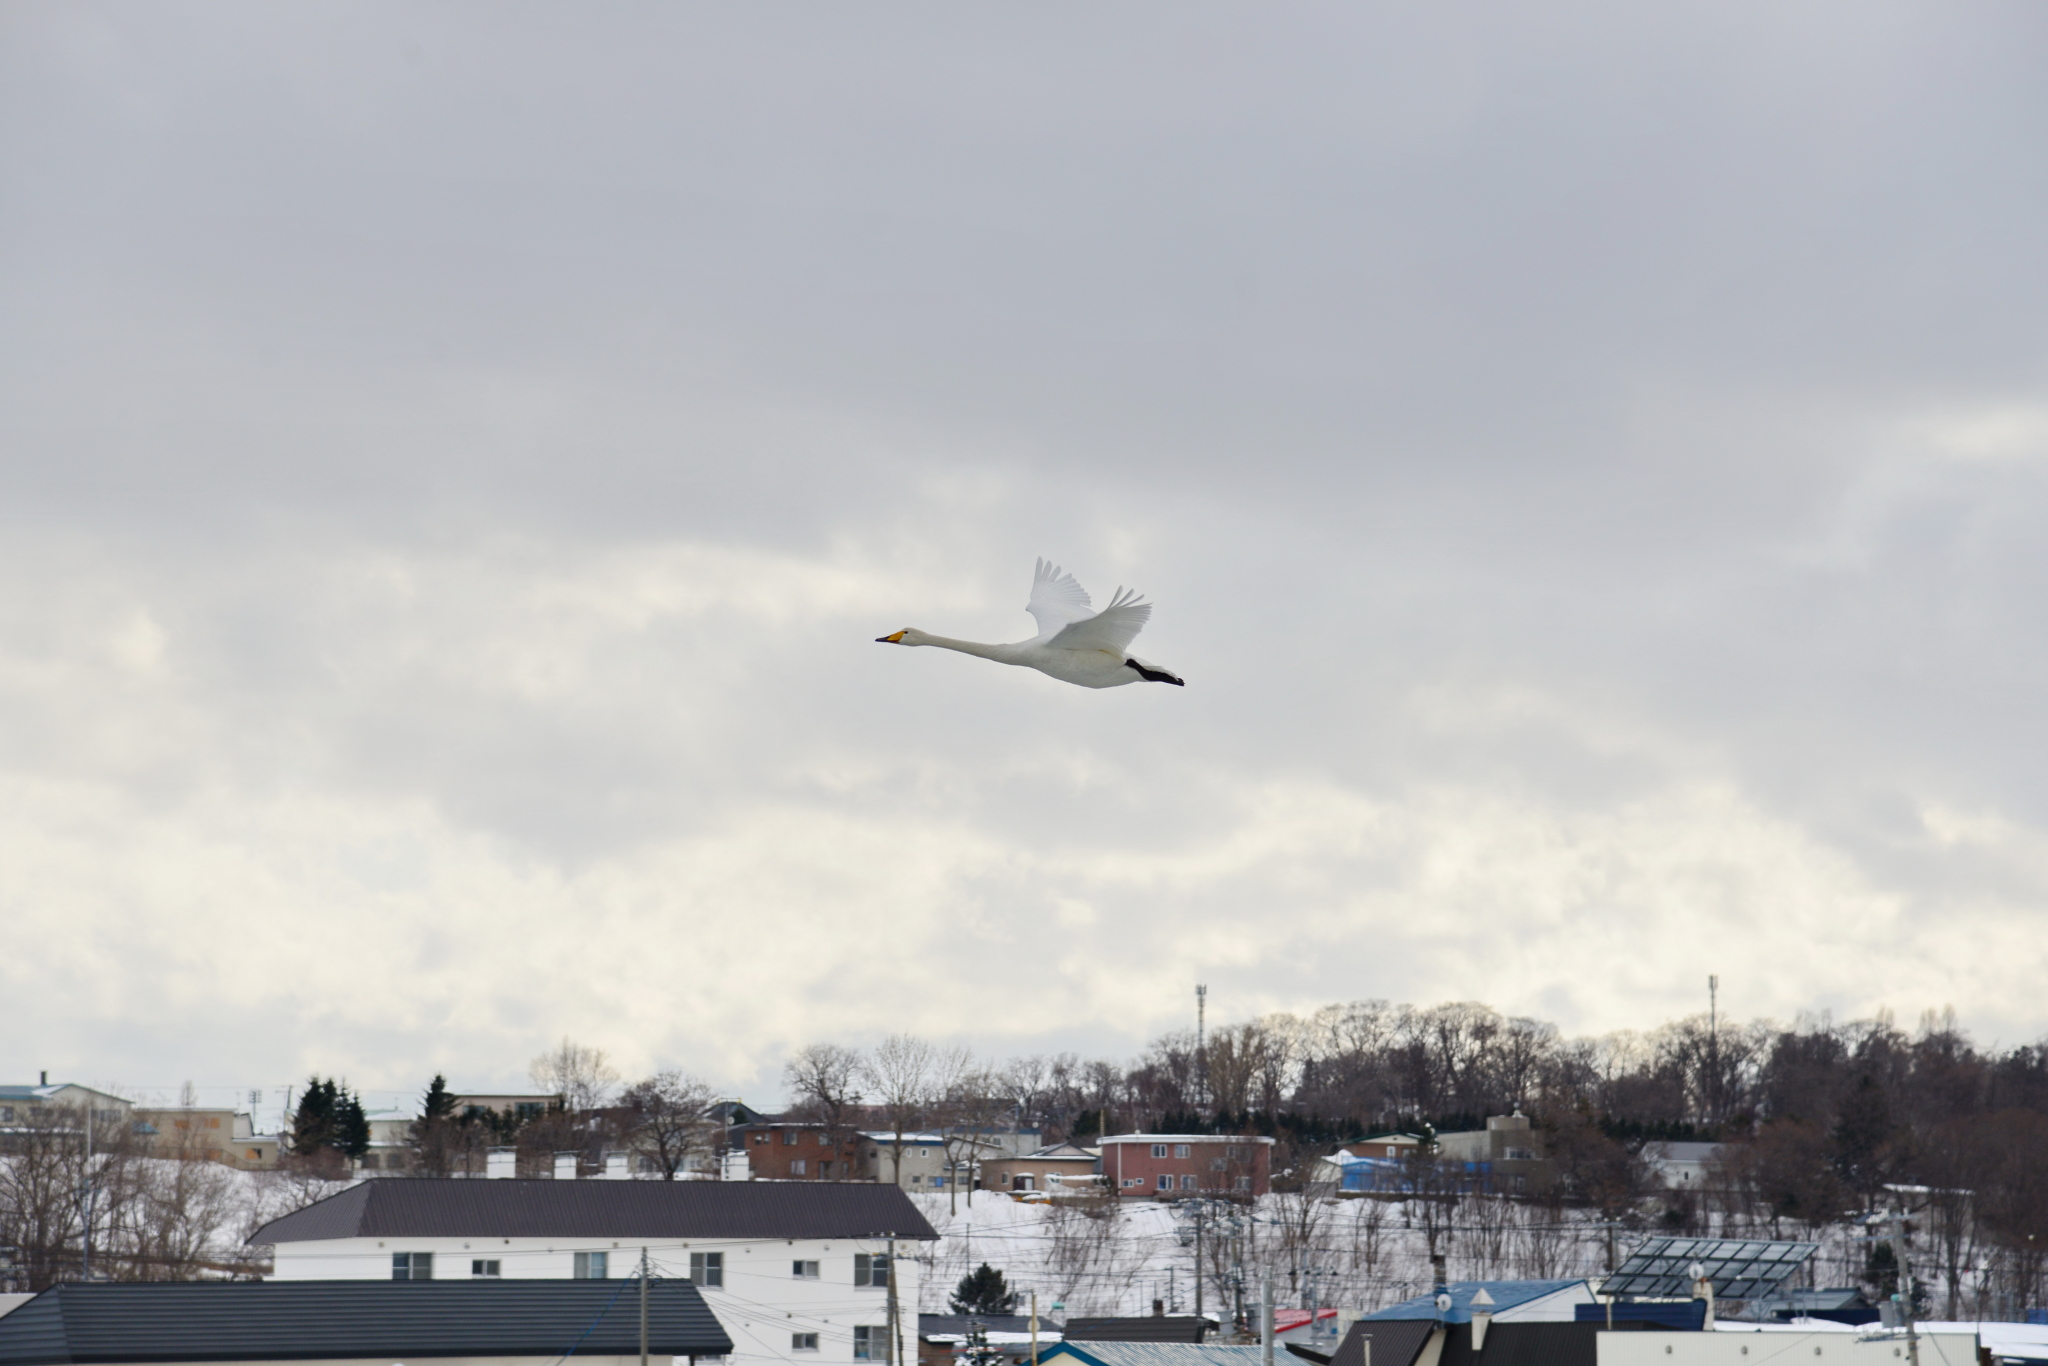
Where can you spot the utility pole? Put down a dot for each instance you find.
(1266, 1319)
(1713, 1097)
(643, 1307)
(1904, 1297)
(1201, 1216)
(895, 1347)
(85, 1259)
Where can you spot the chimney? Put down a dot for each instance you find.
(1482, 1316)
(565, 1166)
(46, 1079)
(501, 1162)
(615, 1167)
(1159, 1309)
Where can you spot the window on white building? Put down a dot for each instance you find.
(870, 1344)
(592, 1266)
(707, 1269)
(803, 1342)
(480, 1267)
(412, 1266)
(871, 1270)
(804, 1271)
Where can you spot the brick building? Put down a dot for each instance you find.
(1173, 1166)
(788, 1150)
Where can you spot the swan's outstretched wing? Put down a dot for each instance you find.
(1056, 600)
(1112, 629)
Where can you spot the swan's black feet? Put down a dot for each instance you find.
(1154, 675)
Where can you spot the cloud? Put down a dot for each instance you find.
(458, 462)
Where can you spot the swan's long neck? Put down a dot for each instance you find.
(1002, 654)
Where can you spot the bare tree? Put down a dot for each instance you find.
(974, 1106)
(580, 1075)
(1090, 1257)
(900, 1071)
(181, 1205)
(1030, 1082)
(66, 1181)
(823, 1079)
(667, 1117)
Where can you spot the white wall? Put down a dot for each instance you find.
(760, 1305)
(1780, 1349)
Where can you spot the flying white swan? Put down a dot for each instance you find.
(1075, 644)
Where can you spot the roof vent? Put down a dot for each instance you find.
(1482, 1316)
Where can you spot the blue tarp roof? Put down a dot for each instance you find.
(1506, 1294)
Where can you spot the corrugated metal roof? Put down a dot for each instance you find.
(1523, 1344)
(1395, 1342)
(430, 1207)
(347, 1320)
(1506, 1295)
(1153, 1354)
(928, 1324)
(1143, 1328)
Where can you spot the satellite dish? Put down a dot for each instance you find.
(1443, 1303)
(1699, 1271)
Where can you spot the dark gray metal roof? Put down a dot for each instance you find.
(1145, 1328)
(349, 1320)
(434, 1207)
(1395, 1342)
(1538, 1343)
(927, 1324)
(1398, 1342)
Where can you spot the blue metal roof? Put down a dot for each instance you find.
(1506, 1294)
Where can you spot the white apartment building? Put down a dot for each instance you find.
(794, 1271)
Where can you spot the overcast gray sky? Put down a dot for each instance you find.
(1589, 460)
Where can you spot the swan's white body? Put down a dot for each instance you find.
(1075, 643)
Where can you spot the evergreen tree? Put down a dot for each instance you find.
(329, 1119)
(442, 1141)
(983, 1291)
(313, 1122)
(439, 1102)
(351, 1125)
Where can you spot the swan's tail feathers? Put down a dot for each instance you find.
(1152, 673)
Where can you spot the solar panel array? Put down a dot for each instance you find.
(1740, 1269)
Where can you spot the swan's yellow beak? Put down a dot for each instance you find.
(896, 639)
